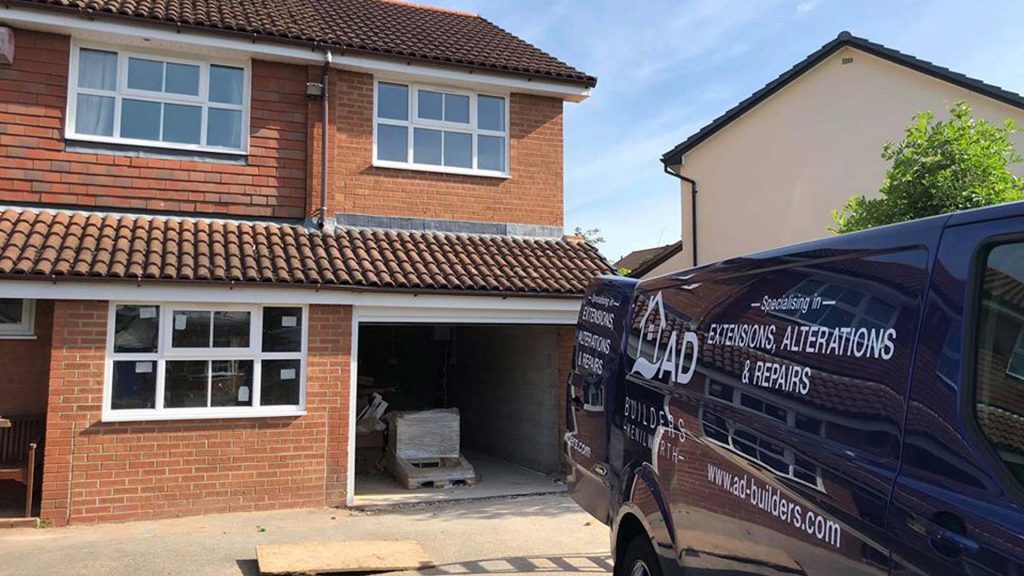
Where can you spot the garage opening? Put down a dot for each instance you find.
(504, 380)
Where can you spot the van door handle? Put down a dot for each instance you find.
(946, 541)
(600, 469)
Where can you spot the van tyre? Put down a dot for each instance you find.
(639, 559)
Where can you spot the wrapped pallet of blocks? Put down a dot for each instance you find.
(423, 450)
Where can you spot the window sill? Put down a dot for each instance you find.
(18, 337)
(128, 145)
(440, 170)
(191, 414)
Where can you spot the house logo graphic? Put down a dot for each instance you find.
(652, 362)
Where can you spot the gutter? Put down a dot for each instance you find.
(693, 206)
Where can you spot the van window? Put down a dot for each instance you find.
(999, 370)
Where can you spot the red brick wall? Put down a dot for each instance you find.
(128, 471)
(533, 195)
(37, 168)
(25, 367)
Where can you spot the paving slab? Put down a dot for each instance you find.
(540, 535)
(342, 556)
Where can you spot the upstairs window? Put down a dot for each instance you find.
(140, 99)
(440, 130)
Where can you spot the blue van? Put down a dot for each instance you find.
(849, 406)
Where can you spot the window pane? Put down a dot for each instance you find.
(392, 143)
(226, 84)
(136, 329)
(140, 119)
(94, 115)
(426, 146)
(183, 79)
(231, 383)
(279, 382)
(393, 101)
(11, 310)
(490, 113)
(224, 128)
(490, 154)
(429, 105)
(456, 108)
(182, 123)
(97, 70)
(191, 329)
(999, 393)
(282, 329)
(133, 385)
(185, 383)
(458, 149)
(231, 329)
(145, 74)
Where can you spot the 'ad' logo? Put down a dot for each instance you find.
(651, 363)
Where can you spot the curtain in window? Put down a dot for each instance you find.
(97, 70)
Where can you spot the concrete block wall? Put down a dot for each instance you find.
(98, 472)
(506, 384)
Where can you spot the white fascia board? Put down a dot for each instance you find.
(229, 46)
(482, 306)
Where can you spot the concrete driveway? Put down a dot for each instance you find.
(543, 535)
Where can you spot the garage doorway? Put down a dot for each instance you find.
(504, 379)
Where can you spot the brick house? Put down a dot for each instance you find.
(208, 206)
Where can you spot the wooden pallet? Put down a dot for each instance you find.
(431, 472)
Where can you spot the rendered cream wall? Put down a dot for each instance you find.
(773, 176)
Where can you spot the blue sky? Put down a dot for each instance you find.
(666, 68)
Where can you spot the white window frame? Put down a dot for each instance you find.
(415, 122)
(122, 91)
(24, 329)
(166, 353)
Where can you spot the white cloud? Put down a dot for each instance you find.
(807, 6)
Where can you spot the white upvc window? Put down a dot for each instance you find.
(170, 361)
(122, 97)
(440, 129)
(17, 318)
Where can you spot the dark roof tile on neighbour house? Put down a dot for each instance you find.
(49, 244)
(376, 27)
(674, 156)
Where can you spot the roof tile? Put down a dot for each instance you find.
(376, 26)
(45, 243)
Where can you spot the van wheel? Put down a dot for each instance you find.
(639, 559)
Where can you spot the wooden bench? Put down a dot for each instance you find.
(19, 452)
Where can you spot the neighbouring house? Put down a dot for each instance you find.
(806, 142)
(639, 262)
(226, 224)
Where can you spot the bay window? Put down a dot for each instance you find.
(440, 130)
(121, 97)
(168, 361)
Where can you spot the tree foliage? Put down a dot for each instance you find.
(591, 235)
(939, 167)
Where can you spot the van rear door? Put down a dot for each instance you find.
(593, 381)
(958, 503)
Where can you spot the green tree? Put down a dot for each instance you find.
(939, 167)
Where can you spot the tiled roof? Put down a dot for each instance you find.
(43, 243)
(381, 27)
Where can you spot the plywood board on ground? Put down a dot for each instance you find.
(342, 556)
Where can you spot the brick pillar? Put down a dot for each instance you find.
(76, 364)
(327, 390)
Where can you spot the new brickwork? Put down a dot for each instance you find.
(533, 194)
(101, 472)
